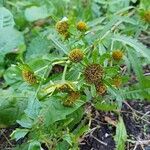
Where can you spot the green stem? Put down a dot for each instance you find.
(64, 72)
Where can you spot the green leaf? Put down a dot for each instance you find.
(53, 110)
(10, 40)
(136, 65)
(38, 47)
(139, 47)
(6, 18)
(137, 93)
(93, 90)
(13, 75)
(12, 106)
(58, 44)
(105, 106)
(19, 133)
(34, 145)
(121, 135)
(33, 107)
(35, 13)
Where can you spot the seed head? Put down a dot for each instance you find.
(93, 73)
(71, 98)
(29, 76)
(146, 16)
(81, 26)
(62, 27)
(117, 81)
(117, 55)
(101, 88)
(76, 55)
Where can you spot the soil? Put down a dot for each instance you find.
(137, 126)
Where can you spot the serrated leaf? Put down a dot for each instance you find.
(139, 47)
(58, 44)
(136, 65)
(121, 135)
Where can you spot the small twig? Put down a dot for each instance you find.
(139, 142)
(147, 74)
(137, 112)
(7, 139)
(98, 140)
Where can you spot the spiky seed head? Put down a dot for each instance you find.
(62, 27)
(117, 55)
(71, 98)
(76, 55)
(81, 26)
(93, 73)
(101, 88)
(117, 81)
(29, 76)
(146, 16)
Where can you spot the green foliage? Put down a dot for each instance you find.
(121, 135)
(31, 48)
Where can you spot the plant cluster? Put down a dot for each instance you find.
(53, 67)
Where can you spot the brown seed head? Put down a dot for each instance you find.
(117, 55)
(101, 88)
(71, 98)
(29, 77)
(146, 16)
(76, 55)
(81, 26)
(62, 27)
(117, 81)
(93, 73)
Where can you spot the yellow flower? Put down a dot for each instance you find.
(76, 55)
(117, 55)
(81, 26)
(93, 73)
(62, 27)
(71, 98)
